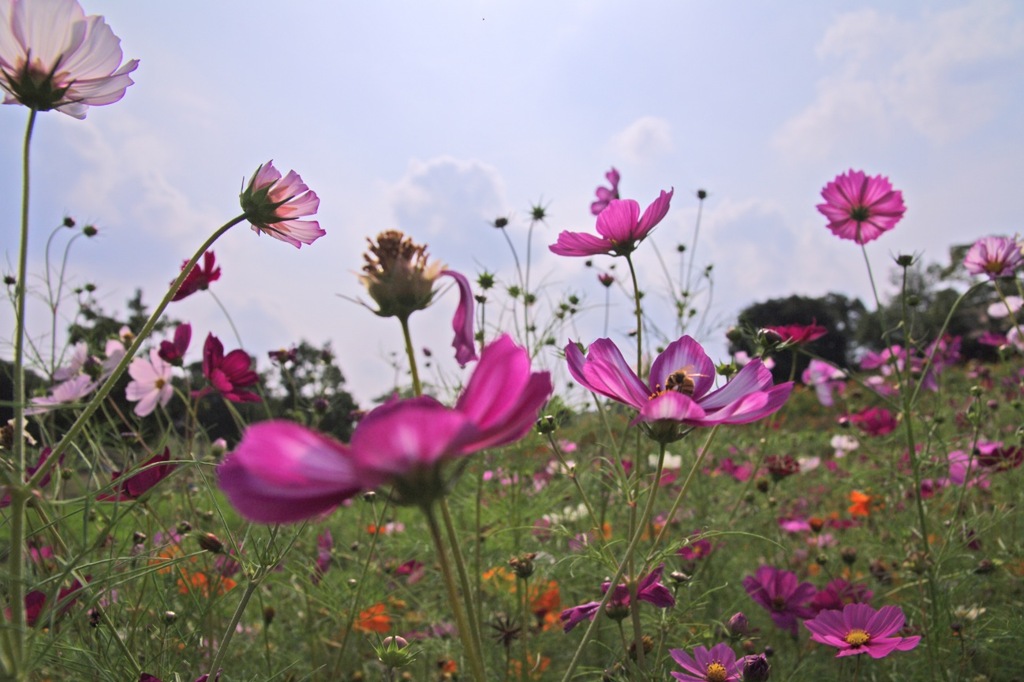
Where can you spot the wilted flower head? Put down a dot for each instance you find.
(861, 208)
(273, 205)
(52, 56)
(860, 629)
(400, 279)
(994, 257)
(620, 228)
(650, 589)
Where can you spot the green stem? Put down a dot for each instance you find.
(476, 663)
(460, 568)
(14, 644)
(639, 318)
(109, 384)
(417, 388)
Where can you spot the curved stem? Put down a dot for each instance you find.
(231, 322)
(143, 334)
(639, 318)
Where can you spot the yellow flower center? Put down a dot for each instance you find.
(716, 672)
(159, 383)
(857, 637)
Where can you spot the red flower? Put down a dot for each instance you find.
(228, 374)
(874, 421)
(173, 352)
(198, 278)
(149, 473)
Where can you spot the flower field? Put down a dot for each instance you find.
(177, 509)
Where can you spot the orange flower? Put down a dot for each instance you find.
(199, 582)
(861, 503)
(547, 605)
(373, 619)
(534, 667)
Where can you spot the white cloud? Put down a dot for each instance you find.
(445, 194)
(644, 139)
(938, 76)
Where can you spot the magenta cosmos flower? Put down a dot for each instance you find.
(861, 208)
(799, 334)
(273, 205)
(859, 629)
(283, 472)
(717, 665)
(52, 56)
(620, 228)
(780, 593)
(650, 589)
(994, 257)
(606, 194)
(199, 277)
(148, 474)
(679, 390)
(228, 374)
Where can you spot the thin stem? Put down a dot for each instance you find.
(231, 322)
(639, 318)
(476, 663)
(14, 648)
(460, 568)
(143, 334)
(417, 388)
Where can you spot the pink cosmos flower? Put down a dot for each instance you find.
(199, 277)
(779, 592)
(464, 342)
(283, 472)
(717, 665)
(649, 589)
(994, 257)
(52, 56)
(679, 390)
(861, 208)
(273, 205)
(874, 421)
(825, 379)
(150, 384)
(606, 194)
(838, 593)
(148, 474)
(228, 374)
(620, 228)
(69, 391)
(860, 629)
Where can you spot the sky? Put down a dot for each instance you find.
(436, 118)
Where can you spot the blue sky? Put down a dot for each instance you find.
(435, 118)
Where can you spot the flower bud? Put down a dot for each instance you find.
(210, 542)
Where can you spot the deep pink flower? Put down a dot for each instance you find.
(799, 334)
(679, 390)
(860, 629)
(717, 665)
(36, 603)
(228, 374)
(861, 208)
(149, 473)
(650, 589)
(199, 277)
(173, 352)
(273, 205)
(620, 228)
(464, 342)
(606, 194)
(52, 56)
(150, 384)
(5, 498)
(282, 472)
(780, 593)
(874, 421)
(838, 593)
(697, 548)
(994, 456)
(994, 257)
(324, 545)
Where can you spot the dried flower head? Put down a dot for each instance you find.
(398, 274)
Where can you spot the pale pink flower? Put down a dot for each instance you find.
(273, 205)
(150, 384)
(52, 56)
(994, 257)
(70, 391)
(861, 208)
